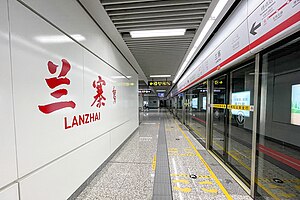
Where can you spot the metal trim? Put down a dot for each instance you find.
(208, 113)
(254, 127)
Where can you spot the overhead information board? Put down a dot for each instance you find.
(159, 83)
(144, 91)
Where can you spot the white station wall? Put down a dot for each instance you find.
(52, 135)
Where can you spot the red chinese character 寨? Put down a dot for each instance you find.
(114, 91)
(55, 82)
(99, 96)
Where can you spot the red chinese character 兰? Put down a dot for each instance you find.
(99, 96)
(114, 91)
(55, 82)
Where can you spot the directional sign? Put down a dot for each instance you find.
(272, 15)
(217, 82)
(254, 28)
(159, 83)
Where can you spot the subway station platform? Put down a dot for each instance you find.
(162, 160)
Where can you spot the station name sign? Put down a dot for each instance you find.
(159, 83)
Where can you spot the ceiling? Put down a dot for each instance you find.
(157, 55)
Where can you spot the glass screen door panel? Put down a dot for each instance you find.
(239, 139)
(196, 112)
(219, 119)
(278, 135)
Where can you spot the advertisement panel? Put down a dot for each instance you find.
(295, 106)
(243, 99)
(195, 103)
(204, 103)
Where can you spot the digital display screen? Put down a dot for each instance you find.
(295, 110)
(195, 103)
(161, 94)
(204, 103)
(241, 98)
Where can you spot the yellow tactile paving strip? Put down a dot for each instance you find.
(184, 152)
(212, 174)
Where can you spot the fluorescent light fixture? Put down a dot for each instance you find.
(157, 33)
(160, 76)
(120, 77)
(59, 38)
(215, 13)
(160, 90)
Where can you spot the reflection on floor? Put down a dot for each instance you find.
(194, 173)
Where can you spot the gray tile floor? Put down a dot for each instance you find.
(130, 173)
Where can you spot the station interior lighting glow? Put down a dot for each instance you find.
(160, 90)
(217, 10)
(59, 38)
(160, 76)
(157, 33)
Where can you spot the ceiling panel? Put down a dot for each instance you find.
(161, 55)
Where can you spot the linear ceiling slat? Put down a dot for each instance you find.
(155, 4)
(158, 43)
(147, 24)
(157, 27)
(155, 15)
(157, 10)
(113, 2)
(157, 54)
(145, 53)
(160, 19)
(160, 47)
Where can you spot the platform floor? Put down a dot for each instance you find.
(162, 160)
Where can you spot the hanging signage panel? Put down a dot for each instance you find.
(159, 83)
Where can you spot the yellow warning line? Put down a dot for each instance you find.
(205, 164)
(154, 162)
(248, 168)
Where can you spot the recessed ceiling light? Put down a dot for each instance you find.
(157, 33)
(160, 90)
(160, 76)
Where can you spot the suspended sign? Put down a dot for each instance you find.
(159, 83)
(144, 91)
